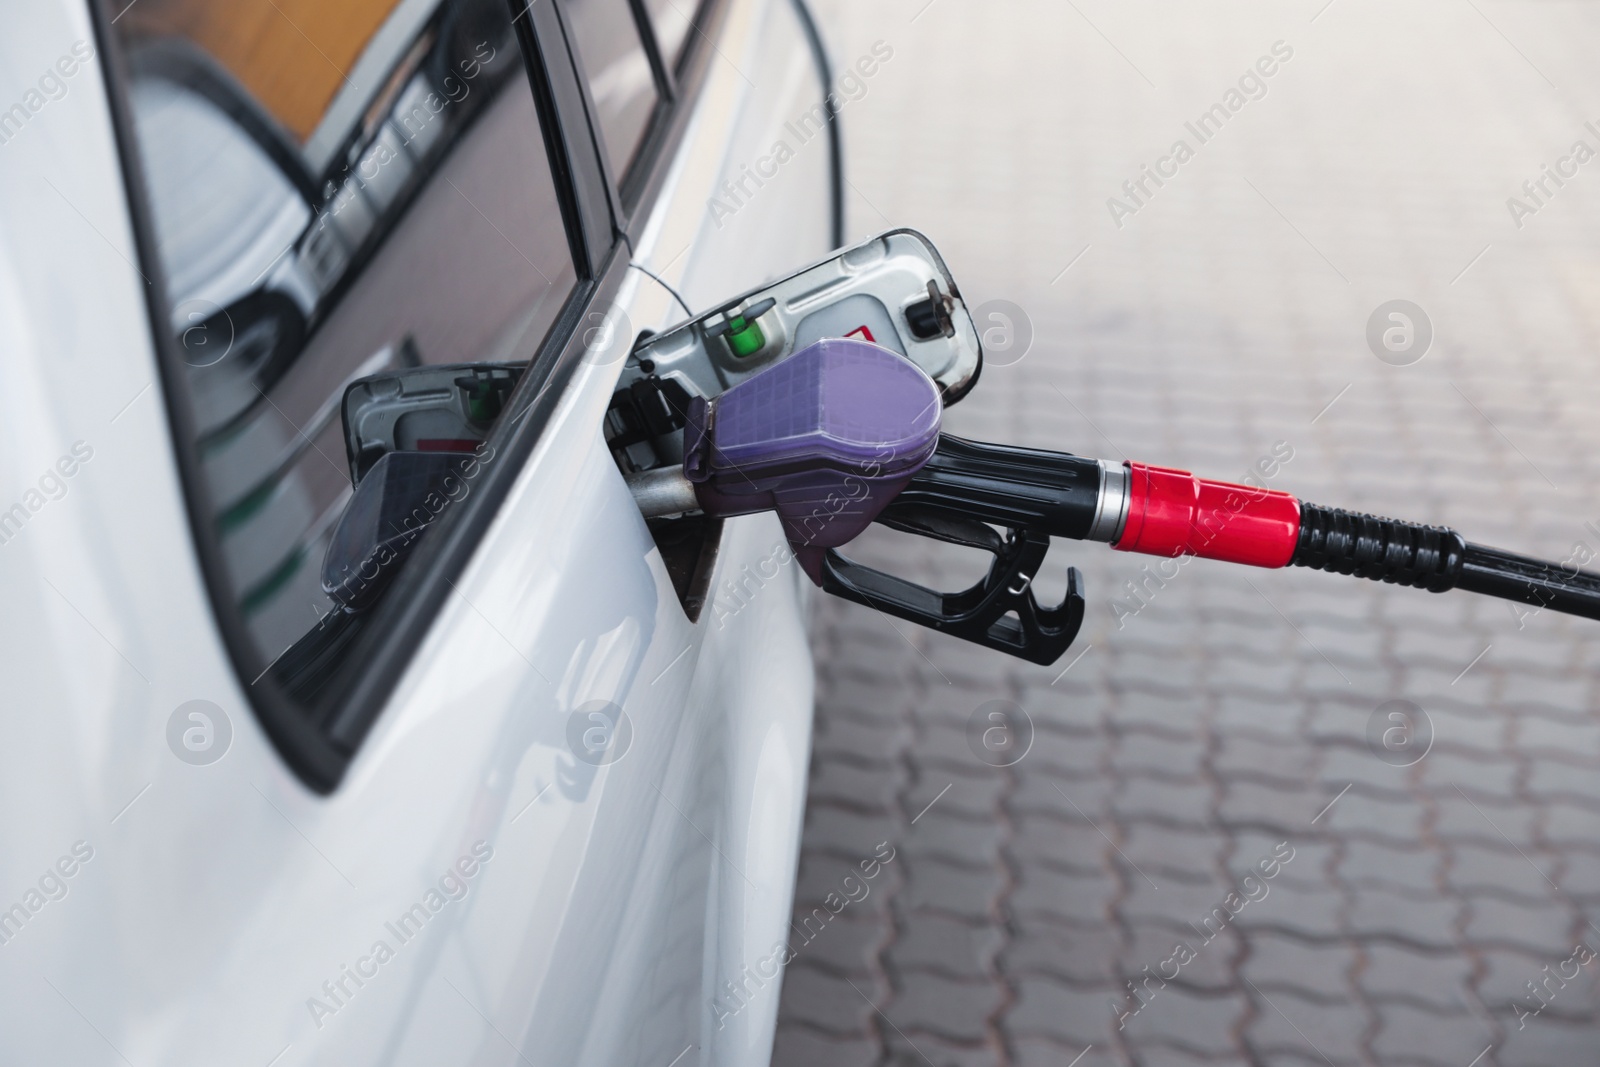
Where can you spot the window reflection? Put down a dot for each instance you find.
(337, 190)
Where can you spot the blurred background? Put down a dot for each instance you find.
(1440, 902)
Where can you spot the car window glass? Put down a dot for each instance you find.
(620, 79)
(336, 190)
(671, 20)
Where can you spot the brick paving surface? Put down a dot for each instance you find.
(1066, 906)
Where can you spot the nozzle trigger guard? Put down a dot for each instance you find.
(982, 613)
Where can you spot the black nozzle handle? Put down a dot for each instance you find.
(1020, 488)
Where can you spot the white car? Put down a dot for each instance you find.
(487, 769)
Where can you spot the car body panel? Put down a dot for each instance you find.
(219, 900)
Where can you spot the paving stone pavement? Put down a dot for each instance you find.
(1424, 901)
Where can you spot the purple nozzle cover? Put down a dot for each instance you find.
(825, 438)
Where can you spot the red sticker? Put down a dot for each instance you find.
(864, 332)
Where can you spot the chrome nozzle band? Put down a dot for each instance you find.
(1111, 512)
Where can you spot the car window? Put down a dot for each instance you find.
(620, 79)
(336, 191)
(671, 20)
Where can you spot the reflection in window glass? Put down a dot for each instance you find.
(620, 79)
(671, 19)
(337, 191)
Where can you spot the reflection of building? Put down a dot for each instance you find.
(276, 167)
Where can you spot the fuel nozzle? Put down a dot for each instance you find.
(826, 439)
(845, 433)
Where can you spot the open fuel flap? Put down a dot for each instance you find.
(893, 291)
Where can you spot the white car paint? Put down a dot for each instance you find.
(216, 901)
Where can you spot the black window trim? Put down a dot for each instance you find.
(569, 139)
(652, 50)
(643, 185)
(633, 193)
(630, 183)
